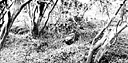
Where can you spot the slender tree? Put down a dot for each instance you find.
(102, 41)
(8, 22)
(47, 18)
(41, 6)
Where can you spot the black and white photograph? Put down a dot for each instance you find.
(63, 31)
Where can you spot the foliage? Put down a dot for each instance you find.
(72, 16)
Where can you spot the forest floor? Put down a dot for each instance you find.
(25, 49)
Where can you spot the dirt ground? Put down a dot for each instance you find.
(24, 49)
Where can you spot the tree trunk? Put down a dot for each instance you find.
(8, 23)
(97, 41)
(37, 30)
(42, 30)
(108, 42)
(36, 25)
